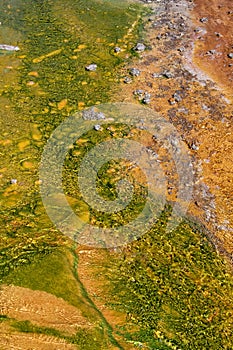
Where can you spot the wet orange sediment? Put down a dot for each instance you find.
(218, 36)
(204, 114)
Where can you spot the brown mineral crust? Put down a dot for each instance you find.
(213, 45)
(202, 115)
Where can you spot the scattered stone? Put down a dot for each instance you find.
(9, 47)
(177, 97)
(127, 80)
(168, 75)
(91, 68)
(97, 127)
(140, 47)
(156, 75)
(199, 30)
(205, 107)
(230, 55)
(147, 98)
(194, 147)
(204, 19)
(134, 72)
(138, 92)
(183, 110)
(211, 52)
(117, 49)
(13, 181)
(172, 101)
(92, 114)
(181, 49)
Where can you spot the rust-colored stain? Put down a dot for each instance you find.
(204, 114)
(213, 46)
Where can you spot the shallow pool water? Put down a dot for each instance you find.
(45, 82)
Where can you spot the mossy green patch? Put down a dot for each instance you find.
(177, 289)
(84, 338)
(52, 273)
(41, 85)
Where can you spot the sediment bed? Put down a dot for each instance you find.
(193, 91)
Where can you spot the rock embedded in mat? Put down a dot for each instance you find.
(13, 181)
(97, 127)
(91, 68)
(134, 72)
(127, 80)
(9, 47)
(147, 98)
(117, 49)
(203, 19)
(140, 47)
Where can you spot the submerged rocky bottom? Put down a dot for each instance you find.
(164, 290)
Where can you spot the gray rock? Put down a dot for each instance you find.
(211, 52)
(172, 101)
(146, 99)
(140, 47)
(135, 72)
(97, 127)
(9, 47)
(177, 97)
(230, 55)
(92, 114)
(168, 75)
(204, 19)
(181, 49)
(199, 30)
(91, 68)
(156, 75)
(117, 49)
(127, 80)
(138, 92)
(13, 181)
(194, 147)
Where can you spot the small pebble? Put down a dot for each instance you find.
(181, 49)
(140, 47)
(117, 49)
(146, 98)
(97, 127)
(138, 92)
(135, 72)
(91, 67)
(156, 75)
(168, 75)
(13, 181)
(172, 101)
(127, 80)
(203, 19)
(230, 55)
(211, 52)
(177, 97)
(194, 147)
